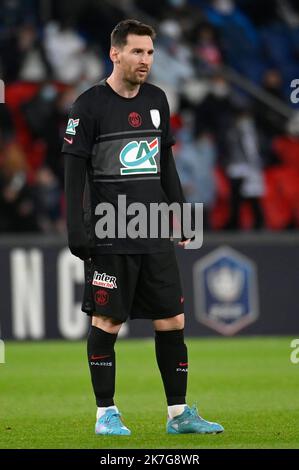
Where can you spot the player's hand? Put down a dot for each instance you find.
(184, 243)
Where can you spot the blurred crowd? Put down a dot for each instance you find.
(236, 151)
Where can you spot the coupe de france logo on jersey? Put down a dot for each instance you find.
(225, 290)
(71, 126)
(139, 157)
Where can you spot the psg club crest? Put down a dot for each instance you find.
(225, 290)
(135, 119)
(155, 115)
(101, 297)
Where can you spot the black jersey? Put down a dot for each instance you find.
(122, 140)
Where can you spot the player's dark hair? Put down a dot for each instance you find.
(122, 29)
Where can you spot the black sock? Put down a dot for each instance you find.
(172, 359)
(101, 360)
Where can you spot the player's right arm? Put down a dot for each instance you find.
(77, 147)
(74, 182)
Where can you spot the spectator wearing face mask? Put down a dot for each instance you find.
(215, 113)
(244, 169)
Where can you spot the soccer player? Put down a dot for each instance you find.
(118, 142)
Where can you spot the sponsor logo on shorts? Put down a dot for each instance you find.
(104, 280)
(101, 297)
(135, 119)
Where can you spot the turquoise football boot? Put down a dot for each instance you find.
(190, 422)
(111, 424)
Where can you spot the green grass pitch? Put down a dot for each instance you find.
(249, 385)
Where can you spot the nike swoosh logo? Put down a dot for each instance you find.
(69, 141)
(183, 364)
(94, 358)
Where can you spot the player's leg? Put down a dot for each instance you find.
(102, 365)
(101, 358)
(106, 299)
(160, 299)
(172, 358)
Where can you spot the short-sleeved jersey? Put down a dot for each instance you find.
(121, 138)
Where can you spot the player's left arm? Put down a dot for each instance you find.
(170, 182)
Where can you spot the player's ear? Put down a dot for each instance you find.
(114, 52)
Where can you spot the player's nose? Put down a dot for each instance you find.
(145, 60)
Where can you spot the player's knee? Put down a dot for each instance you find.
(173, 323)
(108, 324)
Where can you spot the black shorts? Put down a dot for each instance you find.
(133, 286)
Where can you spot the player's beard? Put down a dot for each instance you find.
(134, 78)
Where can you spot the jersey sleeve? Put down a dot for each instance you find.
(167, 136)
(79, 136)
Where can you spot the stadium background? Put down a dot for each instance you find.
(228, 69)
